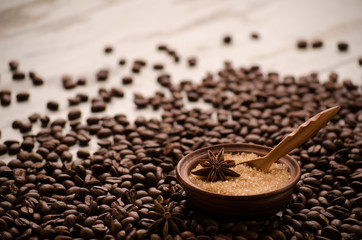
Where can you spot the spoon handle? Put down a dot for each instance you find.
(299, 135)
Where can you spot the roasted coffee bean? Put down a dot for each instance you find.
(317, 43)
(108, 49)
(45, 189)
(53, 106)
(74, 114)
(74, 101)
(127, 80)
(98, 106)
(302, 44)
(25, 127)
(14, 148)
(86, 233)
(227, 39)
(37, 81)
(122, 61)
(342, 46)
(17, 75)
(254, 35)
(5, 99)
(117, 92)
(13, 65)
(192, 61)
(158, 66)
(3, 149)
(102, 74)
(22, 96)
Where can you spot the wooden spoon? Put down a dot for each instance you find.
(295, 139)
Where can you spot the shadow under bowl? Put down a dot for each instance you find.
(244, 206)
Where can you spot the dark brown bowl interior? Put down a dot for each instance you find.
(247, 207)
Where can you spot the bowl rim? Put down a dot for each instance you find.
(188, 185)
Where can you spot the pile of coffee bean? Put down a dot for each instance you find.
(46, 192)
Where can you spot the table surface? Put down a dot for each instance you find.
(57, 38)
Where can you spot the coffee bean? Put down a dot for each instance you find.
(25, 127)
(117, 92)
(5, 99)
(127, 80)
(277, 234)
(53, 105)
(13, 65)
(342, 46)
(14, 148)
(98, 106)
(102, 75)
(302, 44)
(192, 61)
(45, 189)
(32, 74)
(158, 66)
(74, 101)
(86, 233)
(3, 149)
(37, 81)
(254, 35)
(108, 49)
(227, 39)
(66, 156)
(74, 114)
(317, 43)
(22, 96)
(17, 75)
(122, 61)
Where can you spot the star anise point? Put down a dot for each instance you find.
(216, 167)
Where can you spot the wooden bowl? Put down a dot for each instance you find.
(247, 207)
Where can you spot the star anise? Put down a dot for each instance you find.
(166, 220)
(216, 167)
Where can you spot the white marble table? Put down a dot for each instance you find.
(54, 38)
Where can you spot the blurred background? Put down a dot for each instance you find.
(68, 38)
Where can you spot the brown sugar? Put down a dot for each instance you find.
(251, 181)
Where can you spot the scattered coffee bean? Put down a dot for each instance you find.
(5, 99)
(302, 44)
(68, 82)
(22, 96)
(102, 75)
(74, 114)
(158, 66)
(37, 81)
(162, 47)
(317, 43)
(74, 101)
(342, 46)
(254, 35)
(227, 39)
(82, 81)
(17, 75)
(122, 61)
(13, 65)
(191, 61)
(98, 106)
(53, 105)
(108, 49)
(117, 92)
(3, 149)
(127, 80)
